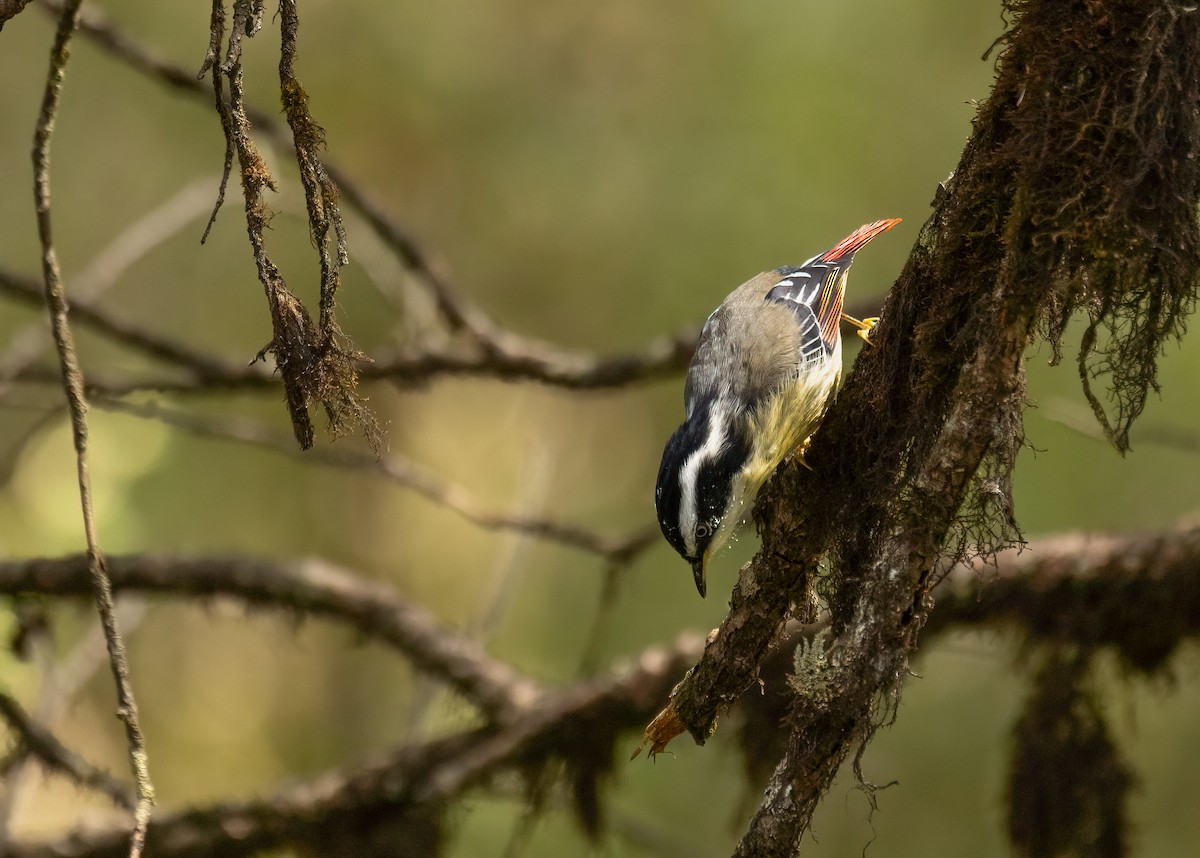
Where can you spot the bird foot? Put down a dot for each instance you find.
(797, 455)
(865, 333)
(865, 326)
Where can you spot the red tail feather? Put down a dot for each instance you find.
(857, 239)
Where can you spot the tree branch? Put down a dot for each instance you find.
(313, 587)
(41, 743)
(72, 381)
(340, 812)
(614, 548)
(1089, 589)
(1048, 592)
(912, 467)
(204, 368)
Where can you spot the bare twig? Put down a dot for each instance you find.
(403, 473)
(664, 358)
(511, 357)
(345, 410)
(1066, 588)
(43, 744)
(295, 338)
(99, 29)
(311, 586)
(73, 388)
(458, 312)
(347, 806)
(204, 368)
(320, 192)
(61, 678)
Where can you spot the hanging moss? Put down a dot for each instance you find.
(1079, 190)
(1110, 165)
(1068, 786)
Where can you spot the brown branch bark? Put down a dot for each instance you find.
(313, 587)
(376, 807)
(45, 746)
(1087, 589)
(10, 9)
(1064, 588)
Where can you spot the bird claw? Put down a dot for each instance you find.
(797, 455)
(864, 332)
(865, 326)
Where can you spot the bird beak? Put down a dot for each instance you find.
(698, 573)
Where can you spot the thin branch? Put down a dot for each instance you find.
(100, 30)
(493, 352)
(44, 745)
(101, 274)
(499, 354)
(615, 548)
(204, 368)
(73, 388)
(294, 339)
(1058, 577)
(458, 312)
(346, 806)
(663, 358)
(320, 192)
(313, 587)
(61, 678)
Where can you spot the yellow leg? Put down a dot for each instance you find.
(865, 326)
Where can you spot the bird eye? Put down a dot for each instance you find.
(702, 530)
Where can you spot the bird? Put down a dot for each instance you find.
(765, 370)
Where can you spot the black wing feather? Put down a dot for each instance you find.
(814, 293)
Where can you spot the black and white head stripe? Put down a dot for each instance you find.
(699, 464)
(708, 452)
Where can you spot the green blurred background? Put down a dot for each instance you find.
(594, 175)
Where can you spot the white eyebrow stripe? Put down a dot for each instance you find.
(690, 471)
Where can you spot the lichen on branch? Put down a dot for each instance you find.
(316, 361)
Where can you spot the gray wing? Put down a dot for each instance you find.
(703, 376)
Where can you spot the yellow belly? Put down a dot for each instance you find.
(780, 425)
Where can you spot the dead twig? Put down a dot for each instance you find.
(409, 784)
(312, 587)
(403, 473)
(72, 380)
(45, 746)
(204, 368)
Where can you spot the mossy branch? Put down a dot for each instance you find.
(911, 470)
(316, 361)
